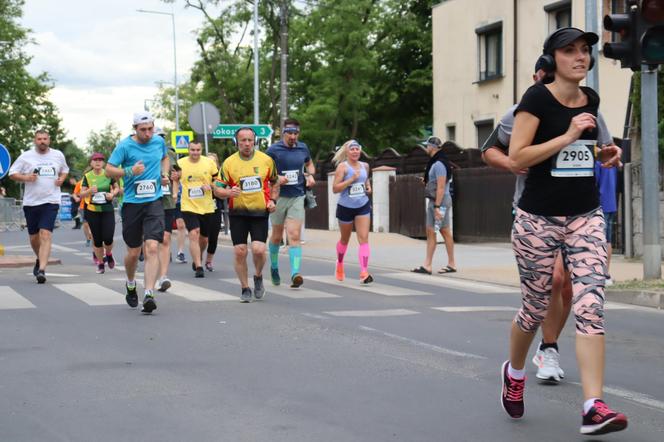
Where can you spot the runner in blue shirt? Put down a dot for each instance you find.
(142, 160)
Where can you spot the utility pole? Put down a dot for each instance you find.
(284, 64)
(592, 80)
(256, 70)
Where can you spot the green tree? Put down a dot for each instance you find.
(636, 102)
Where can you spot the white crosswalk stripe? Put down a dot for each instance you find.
(372, 313)
(375, 288)
(10, 300)
(92, 294)
(198, 294)
(473, 309)
(453, 283)
(300, 293)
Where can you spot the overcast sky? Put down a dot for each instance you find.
(105, 57)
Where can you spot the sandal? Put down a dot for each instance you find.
(421, 269)
(447, 269)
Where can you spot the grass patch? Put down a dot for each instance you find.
(656, 285)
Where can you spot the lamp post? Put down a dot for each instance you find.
(175, 64)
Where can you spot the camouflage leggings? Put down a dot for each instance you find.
(536, 241)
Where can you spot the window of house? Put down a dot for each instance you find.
(559, 14)
(490, 51)
(484, 129)
(450, 132)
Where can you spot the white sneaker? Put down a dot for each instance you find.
(164, 284)
(548, 365)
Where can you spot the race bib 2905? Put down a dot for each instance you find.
(575, 160)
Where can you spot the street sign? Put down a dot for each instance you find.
(203, 117)
(228, 130)
(180, 140)
(5, 161)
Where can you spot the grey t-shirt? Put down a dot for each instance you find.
(500, 137)
(438, 170)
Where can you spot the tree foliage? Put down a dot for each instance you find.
(24, 97)
(357, 69)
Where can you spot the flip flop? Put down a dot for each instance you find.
(447, 269)
(421, 269)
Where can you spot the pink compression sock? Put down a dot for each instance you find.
(364, 257)
(341, 251)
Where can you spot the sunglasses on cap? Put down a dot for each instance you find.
(354, 145)
(291, 130)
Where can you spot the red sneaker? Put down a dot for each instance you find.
(600, 419)
(512, 395)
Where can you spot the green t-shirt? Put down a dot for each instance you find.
(97, 202)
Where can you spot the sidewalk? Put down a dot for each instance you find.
(485, 262)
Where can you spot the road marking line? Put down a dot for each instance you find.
(198, 294)
(372, 313)
(92, 294)
(639, 398)
(449, 282)
(301, 293)
(425, 345)
(11, 300)
(63, 248)
(375, 288)
(57, 275)
(472, 309)
(82, 253)
(314, 316)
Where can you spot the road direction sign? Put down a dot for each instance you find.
(228, 130)
(5, 161)
(180, 140)
(203, 117)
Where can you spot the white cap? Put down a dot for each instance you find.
(143, 117)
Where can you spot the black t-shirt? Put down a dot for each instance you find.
(549, 195)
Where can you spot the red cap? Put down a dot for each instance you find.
(97, 156)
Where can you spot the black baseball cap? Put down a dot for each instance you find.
(564, 36)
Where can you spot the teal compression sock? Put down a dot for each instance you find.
(274, 255)
(295, 255)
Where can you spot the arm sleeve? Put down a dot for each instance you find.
(18, 166)
(117, 157)
(439, 169)
(273, 171)
(64, 167)
(603, 134)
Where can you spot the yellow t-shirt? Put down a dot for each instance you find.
(252, 176)
(193, 177)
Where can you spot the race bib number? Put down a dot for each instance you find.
(196, 193)
(356, 190)
(292, 177)
(165, 190)
(251, 184)
(146, 188)
(575, 160)
(47, 171)
(99, 198)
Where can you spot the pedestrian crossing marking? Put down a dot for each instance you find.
(198, 294)
(372, 313)
(473, 309)
(376, 288)
(11, 300)
(450, 282)
(57, 275)
(92, 294)
(300, 293)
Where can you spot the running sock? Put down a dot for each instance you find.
(295, 255)
(274, 255)
(341, 251)
(543, 346)
(587, 405)
(131, 284)
(364, 257)
(516, 374)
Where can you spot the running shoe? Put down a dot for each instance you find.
(511, 397)
(274, 276)
(100, 268)
(35, 269)
(164, 284)
(110, 261)
(366, 278)
(94, 259)
(181, 258)
(339, 272)
(200, 273)
(41, 277)
(538, 360)
(132, 296)
(141, 257)
(549, 369)
(259, 288)
(246, 295)
(87, 243)
(296, 281)
(208, 267)
(600, 419)
(149, 304)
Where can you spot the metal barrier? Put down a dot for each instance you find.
(11, 215)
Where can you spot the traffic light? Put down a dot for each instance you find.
(628, 48)
(652, 31)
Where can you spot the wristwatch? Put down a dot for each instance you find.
(436, 207)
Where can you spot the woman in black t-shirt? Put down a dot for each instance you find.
(554, 136)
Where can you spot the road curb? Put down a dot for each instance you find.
(643, 298)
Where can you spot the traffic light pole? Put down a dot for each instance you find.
(652, 253)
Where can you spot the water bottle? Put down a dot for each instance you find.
(438, 223)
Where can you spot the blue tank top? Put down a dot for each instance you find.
(355, 195)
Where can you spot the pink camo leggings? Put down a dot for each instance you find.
(536, 241)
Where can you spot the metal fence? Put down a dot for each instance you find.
(11, 215)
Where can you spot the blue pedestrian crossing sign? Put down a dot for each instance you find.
(180, 140)
(5, 161)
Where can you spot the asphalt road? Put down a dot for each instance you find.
(408, 359)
